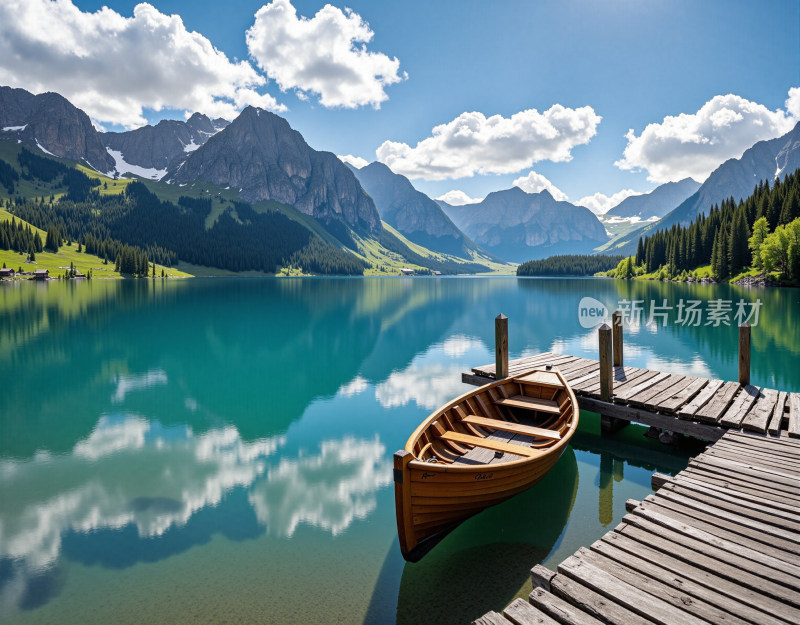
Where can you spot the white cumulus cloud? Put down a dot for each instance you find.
(695, 144)
(113, 66)
(475, 144)
(456, 197)
(600, 204)
(355, 161)
(321, 55)
(535, 183)
(793, 103)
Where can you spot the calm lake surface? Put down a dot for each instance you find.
(211, 451)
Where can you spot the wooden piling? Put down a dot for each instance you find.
(606, 360)
(616, 328)
(501, 346)
(744, 354)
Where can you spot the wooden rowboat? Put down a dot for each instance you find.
(477, 451)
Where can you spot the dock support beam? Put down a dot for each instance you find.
(607, 424)
(501, 346)
(744, 354)
(606, 367)
(616, 328)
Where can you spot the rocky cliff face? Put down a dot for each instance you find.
(413, 213)
(49, 121)
(265, 159)
(167, 143)
(520, 226)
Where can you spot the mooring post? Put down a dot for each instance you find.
(744, 354)
(501, 346)
(606, 369)
(616, 329)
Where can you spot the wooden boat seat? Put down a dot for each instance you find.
(486, 443)
(549, 379)
(516, 428)
(530, 403)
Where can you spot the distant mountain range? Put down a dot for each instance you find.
(657, 203)
(259, 157)
(736, 177)
(520, 226)
(412, 212)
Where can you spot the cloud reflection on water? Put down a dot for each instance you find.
(134, 473)
(328, 490)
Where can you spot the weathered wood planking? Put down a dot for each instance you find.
(794, 415)
(717, 543)
(718, 404)
(701, 399)
(740, 406)
(643, 392)
(758, 417)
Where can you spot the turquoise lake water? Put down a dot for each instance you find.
(220, 450)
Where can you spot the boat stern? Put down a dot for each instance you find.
(402, 501)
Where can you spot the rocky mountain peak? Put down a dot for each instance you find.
(50, 122)
(261, 155)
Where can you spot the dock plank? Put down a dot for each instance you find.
(624, 394)
(491, 618)
(687, 584)
(740, 515)
(672, 398)
(739, 408)
(660, 526)
(690, 605)
(723, 528)
(562, 611)
(757, 419)
(644, 397)
(718, 404)
(629, 596)
(521, 612)
(742, 577)
(594, 603)
(730, 585)
(794, 415)
(701, 399)
(776, 421)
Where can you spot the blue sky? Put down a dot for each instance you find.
(591, 70)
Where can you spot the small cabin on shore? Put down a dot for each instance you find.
(7, 272)
(407, 272)
(41, 274)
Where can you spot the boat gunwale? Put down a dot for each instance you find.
(436, 467)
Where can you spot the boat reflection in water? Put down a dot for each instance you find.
(487, 559)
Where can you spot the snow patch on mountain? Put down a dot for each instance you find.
(125, 168)
(39, 145)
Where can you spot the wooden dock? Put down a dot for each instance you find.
(676, 403)
(718, 543)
